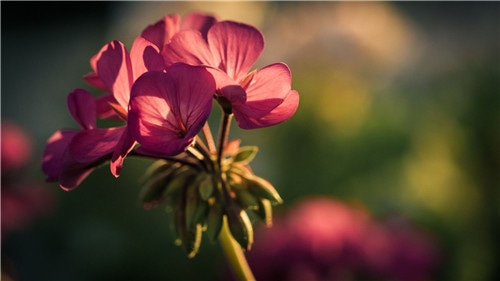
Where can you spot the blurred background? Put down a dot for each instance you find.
(398, 117)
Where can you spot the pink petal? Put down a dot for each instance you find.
(103, 107)
(235, 47)
(115, 70)
(270, 99)
(54, 151)
(227, 87)
(278, 115)
(124, 146)
(160, 32)
(73, 174)
(192, 101)
(188, 47)
(87, 150)
(168, 109)
(94, 80)
(90, 145)
(82, 107)
(198, 21)
(145, 56)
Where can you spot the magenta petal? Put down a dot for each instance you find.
(94, 80)
(124, 146)
(272, 81)
(278, 115)
(82, 107)
(90, 145)
(188, 47)
(168, 109)
(145, 56)
(115, 70)
(235, 47)
(156, 139)
(198, 21)
(227, 87)
(104, 109)
(192, 101)
(54, 151)
(73, 174)
(160, 32)
(270, 99)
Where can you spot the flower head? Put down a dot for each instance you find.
(167, 110)
(258, 99)
(70, 154)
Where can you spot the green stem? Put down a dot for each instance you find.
(234, 254)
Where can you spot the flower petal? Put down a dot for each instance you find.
(115, 70)
(145, 56)
(278, 115)
(123, 148)
(189, 47)
(82, 107)
(168, 109)
(160, 32)
(90, 145)
(192, 101)
(54, 151)
(270, 99)
(198, 21)
(235, 47)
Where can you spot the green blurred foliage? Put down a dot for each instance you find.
(399, 112)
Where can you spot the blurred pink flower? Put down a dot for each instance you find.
(167, 110)
(259, 98)
(321, 238)
(22, 198)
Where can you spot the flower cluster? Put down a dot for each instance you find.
(163, 91)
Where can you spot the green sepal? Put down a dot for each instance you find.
(188, 237)
(240, 226)
(153, 188)
(246, 154)
(214, 221)
(263, 189)
(195, 207)
(206, 188)
(265, 212)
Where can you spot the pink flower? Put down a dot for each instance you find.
(167, 110)
(321, 238)
(22, 198)
(71, 155)
(258, 99)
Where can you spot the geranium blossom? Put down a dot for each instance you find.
(258, 99)
(167, 110)
(70, 154)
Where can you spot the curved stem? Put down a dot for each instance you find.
(224, 133)
(234, 254)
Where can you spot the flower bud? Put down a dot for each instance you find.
(214, 221)
(263, 189)
(155, 184)
(240, 225)
(264, 212)
(245, 154)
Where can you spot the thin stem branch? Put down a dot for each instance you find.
(224, 133)
(234, 254)
(207, 133)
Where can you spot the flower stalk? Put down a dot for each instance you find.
(234, 254)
